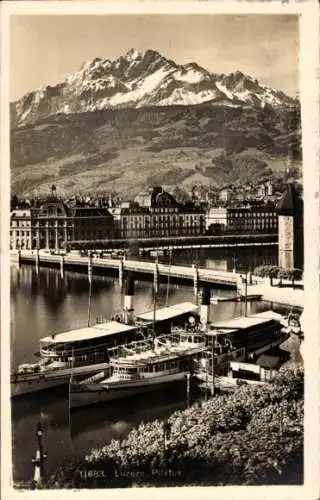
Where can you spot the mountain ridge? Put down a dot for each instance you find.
(142, 79)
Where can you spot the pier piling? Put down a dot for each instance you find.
(62, 266)
(37, 261)
(195, 279)
(90, 267)
(121, 272)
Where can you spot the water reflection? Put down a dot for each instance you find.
(224, 259)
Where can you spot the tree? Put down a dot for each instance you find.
(180, 194)
(292, 274)
(14, 202)
(267, 271)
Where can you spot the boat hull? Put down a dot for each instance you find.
(88, 394)
(26, 384)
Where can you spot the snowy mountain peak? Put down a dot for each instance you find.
(143, 78)
(134, 54)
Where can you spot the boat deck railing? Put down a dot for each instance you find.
(154, 355)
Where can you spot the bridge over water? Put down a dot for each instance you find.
(121, 266)
(179, 242)
(286, 295)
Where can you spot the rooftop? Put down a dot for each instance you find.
(21, 213)
(88, 333)
(243, 322)
(169, 312)
(290, 203)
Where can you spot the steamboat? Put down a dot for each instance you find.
(140, 367)
(84, 351)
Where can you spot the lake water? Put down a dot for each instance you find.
(46, 303)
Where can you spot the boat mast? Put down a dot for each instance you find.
(169, 271)
(155, 291)
(154, 311)
(90, 285)
(70, 382)
(246, 293)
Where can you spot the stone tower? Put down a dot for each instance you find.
(290, 232)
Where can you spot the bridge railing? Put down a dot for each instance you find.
(143, 267)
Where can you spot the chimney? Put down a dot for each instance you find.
(204, 308)
(128, 300)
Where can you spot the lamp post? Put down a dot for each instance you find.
(212, 368)
(188, 388)
(246, 293)
(166, 438)
(38, 461)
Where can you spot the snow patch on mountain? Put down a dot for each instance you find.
(188, 76)
(224, 89)
(142, 78)
(187, 97)
(139, 88)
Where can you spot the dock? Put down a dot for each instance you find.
(215, 299)
(286, 296)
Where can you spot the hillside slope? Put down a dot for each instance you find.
(127, 149)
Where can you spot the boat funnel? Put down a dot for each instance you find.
(204, 308)
(128, 300)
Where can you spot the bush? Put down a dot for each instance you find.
(252, 436)
(267, 271)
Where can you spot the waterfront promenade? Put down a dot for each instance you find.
(285, 295)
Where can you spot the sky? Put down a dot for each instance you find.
(44, 50)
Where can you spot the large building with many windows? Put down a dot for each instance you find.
(255, 219)
(20, 229)
(167, 217)
(155, 213)
(52, 224)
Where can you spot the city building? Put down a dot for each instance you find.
(216, 220)
(134, 222)
(265, 190)
(252, 219)
(51, 224)
(20, 229)
(225, 194)
(159, 214)
(290, 210)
